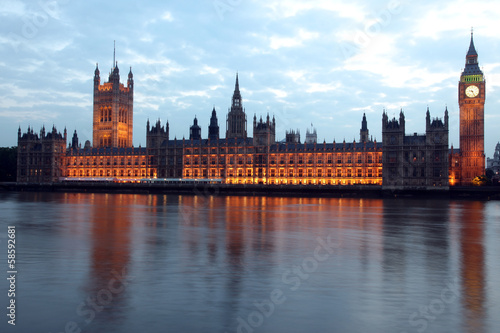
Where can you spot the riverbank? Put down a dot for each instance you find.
(351, 191)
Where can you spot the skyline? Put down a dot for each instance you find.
(319, 62)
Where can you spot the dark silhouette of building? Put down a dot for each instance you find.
(363, 132)
(40, 159)
(236, 123)
(195, 130)
(415, 161)
(213, 128)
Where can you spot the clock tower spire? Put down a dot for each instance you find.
(471, 99)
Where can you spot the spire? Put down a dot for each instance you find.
(364, 123)
(471, 63)
(237, 94)
(114, 53)
(472, 50)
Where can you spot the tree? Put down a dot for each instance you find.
(481, 181)
(489, 173)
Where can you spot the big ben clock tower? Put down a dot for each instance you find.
(471, 97)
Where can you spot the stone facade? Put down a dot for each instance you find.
(415, 161)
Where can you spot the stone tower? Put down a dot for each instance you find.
(364, 133)
(264, 133)
(213, 128)
(195, 130)
(236, 123)
(471, 98)
(113, 110)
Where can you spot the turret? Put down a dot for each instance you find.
(130, 82)
(97, 77)
(74, 141)
(446, 117)
(402, 121)
(213, 127)
(195, 130)
(364, 133)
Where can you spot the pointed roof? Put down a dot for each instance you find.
(364, 123)
(471, 63)
(472, 50)
(237, 94)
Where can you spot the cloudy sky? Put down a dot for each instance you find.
(323, 62)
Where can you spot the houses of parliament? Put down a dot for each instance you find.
(399, 161)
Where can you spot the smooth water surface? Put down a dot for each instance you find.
(161, 263)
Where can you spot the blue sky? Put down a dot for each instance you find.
(323, 62)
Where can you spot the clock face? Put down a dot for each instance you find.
(472, 91)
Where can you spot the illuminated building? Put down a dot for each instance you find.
(403, 161)
(262, 160)
(113, 110)
(471, 98)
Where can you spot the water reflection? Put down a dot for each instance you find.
(198, 264)
(472, 265)
(106, 296)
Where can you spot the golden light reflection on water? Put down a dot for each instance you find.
(473, 265)
(235, 231)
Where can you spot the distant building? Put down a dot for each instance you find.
(292, 136)
(494, 163)
(311, 135)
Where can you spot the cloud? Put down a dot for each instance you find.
(167, 16)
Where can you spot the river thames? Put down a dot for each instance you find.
(170, 263)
